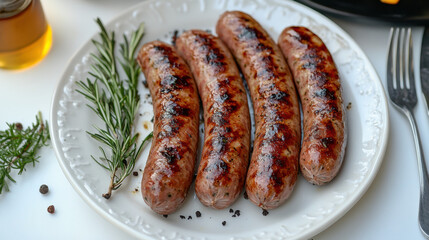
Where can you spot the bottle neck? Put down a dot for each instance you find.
(10, 8)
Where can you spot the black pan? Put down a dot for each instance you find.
(405, 11)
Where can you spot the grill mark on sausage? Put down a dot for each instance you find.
(218, 118)
(218, 172)
(277, 132)
(174, 114)
(166, 58)
(212, 54)
(262, 47)
(247, 33)
(279, 96)
(274, 169)
(174, 82)
(172, 109)
(220, 144)
(171, 154)
(325, 93)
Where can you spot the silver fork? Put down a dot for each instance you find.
(402, 92)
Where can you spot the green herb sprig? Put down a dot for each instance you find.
(19, 147)
(115, 102)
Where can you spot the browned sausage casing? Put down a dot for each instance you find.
(225, 154)
(318, 83)
(273, 168)
(170, 166)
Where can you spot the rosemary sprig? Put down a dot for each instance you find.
(19, 147)
(115, 102)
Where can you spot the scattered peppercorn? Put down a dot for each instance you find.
(224, 223)
(237, 212)
(190, 217)
(182, 217)
(44, 189)
(165, 215)
(198, 214)
(245, 195)
(349, 106)
(51, 209)
(265, 212)
(135, 173)
(231, 210)
(174, 37)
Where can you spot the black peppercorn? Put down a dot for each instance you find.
(265, 212)
(224, 223)
(198, 214)
(51, 209)
(237, 212)
(245, 195)
(44, 189)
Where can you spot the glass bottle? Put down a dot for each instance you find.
(25, 36)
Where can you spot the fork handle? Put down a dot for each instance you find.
(423, 177)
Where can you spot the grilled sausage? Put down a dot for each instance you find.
(225, 153)
(318, 84)
(169, 170)
(273, 168)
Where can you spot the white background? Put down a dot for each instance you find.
(387, 211)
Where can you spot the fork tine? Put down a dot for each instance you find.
(391, 61)
(400, 68)
(400, 57)
(410, 63)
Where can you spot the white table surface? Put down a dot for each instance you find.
(388, 210)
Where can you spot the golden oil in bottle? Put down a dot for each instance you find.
(25, 36)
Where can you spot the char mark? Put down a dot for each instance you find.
(165, 54)
(172, 109)
(171, 155)
(278, 168)
(260, 47)
(279, 96)
(212, 54)
(219, 143)
(250, 33)
(325, 93)
(174, 82)
(218, 118)
(327, 142)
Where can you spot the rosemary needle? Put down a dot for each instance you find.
(19, 147)
(115, 101)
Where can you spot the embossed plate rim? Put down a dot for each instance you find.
(137, 226)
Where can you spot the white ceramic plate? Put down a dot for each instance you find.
(310, 209)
